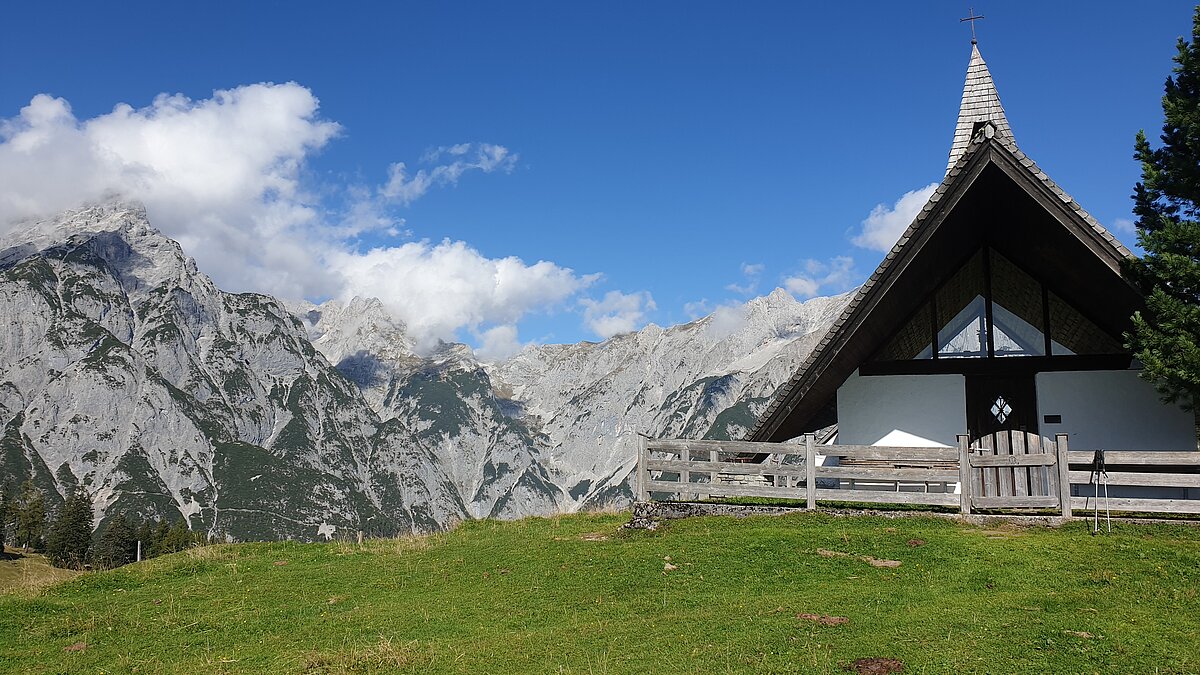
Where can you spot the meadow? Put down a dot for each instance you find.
(804, 593)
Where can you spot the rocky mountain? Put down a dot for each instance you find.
(125, 369)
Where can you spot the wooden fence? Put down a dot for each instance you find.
(1009, 470)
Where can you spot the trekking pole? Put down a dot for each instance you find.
(1099, 475)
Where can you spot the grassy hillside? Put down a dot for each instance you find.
(574, 595)
(27, 572)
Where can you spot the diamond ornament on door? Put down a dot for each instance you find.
(1001, 409)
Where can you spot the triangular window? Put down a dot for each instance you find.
(990, 307)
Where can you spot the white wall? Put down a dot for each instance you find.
(906, 410)
(1111, 410)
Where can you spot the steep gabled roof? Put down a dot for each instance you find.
(980, 104)
(805, 401)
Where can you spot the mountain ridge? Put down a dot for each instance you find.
(128, 371)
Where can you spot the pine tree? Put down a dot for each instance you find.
(30, 517)
(70, 538)
(1166, 336)
(178, 538)
(117, 545)
(5, 508)
(159, 540)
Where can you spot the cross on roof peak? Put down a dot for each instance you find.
(972, 18)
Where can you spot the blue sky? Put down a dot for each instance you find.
(661, 158)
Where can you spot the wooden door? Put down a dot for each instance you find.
(1013, 469)
(1006, 402)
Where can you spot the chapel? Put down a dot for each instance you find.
(1002, 307)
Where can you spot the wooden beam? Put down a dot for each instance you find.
(889, 474)
(721, 489)
(1180, 480)
(643, 495)
(1142, 505)
(990, 461)
(891, 453)
(677, 445)
(1026, 502)
(1000, 364)
(810, 464)
(734, 468)
(1147, 457)
(889, 497)
(1064, 473)
(964, 474)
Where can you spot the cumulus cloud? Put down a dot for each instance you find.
(225, 177)
(436, 289)
(835, 276)
(884, 225)
(617, 312)
(498, 343)
(221, 175)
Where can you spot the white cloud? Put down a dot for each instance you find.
(498, 343)
(403, 188)
(437, 289)
(834, 276)
(884, 225)
(751, 273)
(617, 312)
(225, 177)
(727, 320)
(221, 175)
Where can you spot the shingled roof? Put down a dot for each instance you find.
(980, 103)
(806, 399)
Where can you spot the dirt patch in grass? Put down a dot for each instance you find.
(875, 665)
(824, 619)
(873, 562)
(386, 656)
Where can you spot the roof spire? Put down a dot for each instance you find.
(980, 104)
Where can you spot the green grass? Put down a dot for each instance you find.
(23, 573)
(574, 595)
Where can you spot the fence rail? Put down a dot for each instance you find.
(1009, 470)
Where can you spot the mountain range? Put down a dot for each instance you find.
(125, 369)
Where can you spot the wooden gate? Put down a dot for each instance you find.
(1014, 469)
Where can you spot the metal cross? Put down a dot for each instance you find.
(972, 19)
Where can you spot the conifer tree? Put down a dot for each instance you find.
(117, 545)
(1166, 336)
(30, 517)
(178, 537)
(159, 539)
(70, 538)
(5, 509)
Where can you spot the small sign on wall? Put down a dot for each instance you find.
(1052, 419)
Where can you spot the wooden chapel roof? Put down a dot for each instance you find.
(992, 163)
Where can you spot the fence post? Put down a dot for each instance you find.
(685, 476)
(643, 495)
(810, 472)
(1064, 473)
(964, 474)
